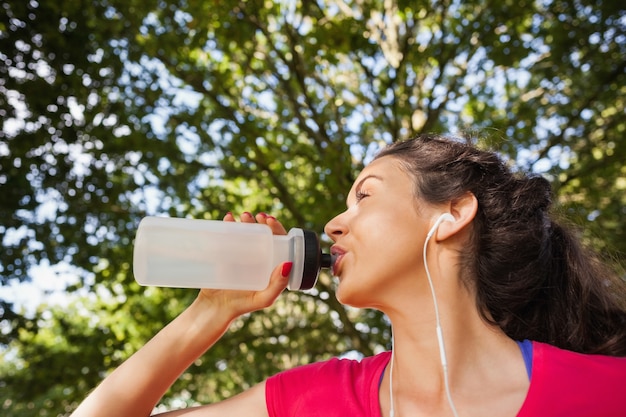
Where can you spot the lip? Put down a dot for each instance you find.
(337, 252)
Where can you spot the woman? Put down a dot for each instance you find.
(464, 259)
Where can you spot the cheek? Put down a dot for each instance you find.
(397, 256)
(388, 244)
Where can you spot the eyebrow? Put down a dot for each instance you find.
(360, 183)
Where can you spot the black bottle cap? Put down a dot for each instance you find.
(312, 260)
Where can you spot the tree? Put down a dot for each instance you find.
(113, 110)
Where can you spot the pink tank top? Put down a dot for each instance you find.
(563, 384)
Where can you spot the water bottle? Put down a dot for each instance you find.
(190, 253)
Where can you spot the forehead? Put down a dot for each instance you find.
(384, 167)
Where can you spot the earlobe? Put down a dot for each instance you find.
(461, 211)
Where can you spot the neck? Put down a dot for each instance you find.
(474, 352)
(466, 337)
(444, 370)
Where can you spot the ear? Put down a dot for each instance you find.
(463, 209)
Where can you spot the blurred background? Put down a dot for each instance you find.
(113, 110)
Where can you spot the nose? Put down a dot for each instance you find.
(336, 227)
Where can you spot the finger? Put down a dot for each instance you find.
(261, 218)
(246, 217)
(278, 282)
(276, 226)
(229, 217)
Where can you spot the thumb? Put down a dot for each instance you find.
(280, 277)
(278, 282)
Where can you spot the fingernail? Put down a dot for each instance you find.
(286, 269)
(271, 217)
(247, 213)
(264, 215)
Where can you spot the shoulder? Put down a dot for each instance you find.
(335, 369)
(566, 362)
(575, 384)
(334, 384)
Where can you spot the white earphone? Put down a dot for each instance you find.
(445, 217)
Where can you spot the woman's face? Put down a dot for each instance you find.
(380, 237)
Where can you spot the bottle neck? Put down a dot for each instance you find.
(291, 248)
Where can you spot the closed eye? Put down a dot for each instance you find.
(360, 195)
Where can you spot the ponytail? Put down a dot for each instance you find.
(575, 302)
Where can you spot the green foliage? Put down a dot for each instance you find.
(112, 110)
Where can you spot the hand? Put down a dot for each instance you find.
(241, 302)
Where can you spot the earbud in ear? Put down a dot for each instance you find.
(445, 217)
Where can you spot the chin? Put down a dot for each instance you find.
(353, 297)
(343, 293)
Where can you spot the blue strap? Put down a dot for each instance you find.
(526, 346)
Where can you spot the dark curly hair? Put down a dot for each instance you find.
(532, 276)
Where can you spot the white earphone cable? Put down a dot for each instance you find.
(391, 404)
(442, 350)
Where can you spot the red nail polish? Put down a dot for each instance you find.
(286, 269)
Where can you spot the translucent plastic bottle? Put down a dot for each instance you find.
(189, 253)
